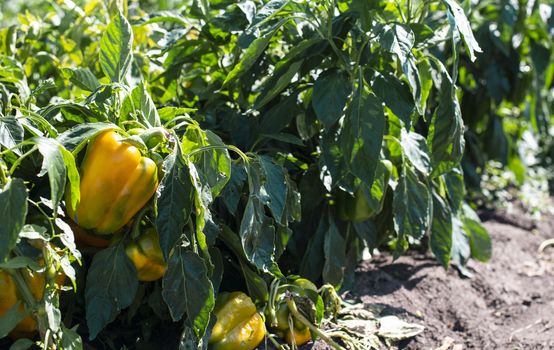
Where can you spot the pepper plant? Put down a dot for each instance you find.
(287, 137)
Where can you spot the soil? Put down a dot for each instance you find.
(508, 303)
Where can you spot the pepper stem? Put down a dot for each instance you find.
(276, 343)
(3, 169)
(294, 310)
(23, 288)
(241, 154)
(20, 159)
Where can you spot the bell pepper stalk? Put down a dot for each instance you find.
(294, 311)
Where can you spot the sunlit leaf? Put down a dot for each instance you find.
(115, 48)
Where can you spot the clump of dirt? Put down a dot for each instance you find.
(507, 304)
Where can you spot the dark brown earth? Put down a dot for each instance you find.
(507, 304)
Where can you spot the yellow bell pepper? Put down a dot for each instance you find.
(280, 320)
(239, 326)
(116, 182)
(146, 254)
(9, 295)
(298, 337)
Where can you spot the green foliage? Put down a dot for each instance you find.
(507, 91)
(260, 115)
(111, 287)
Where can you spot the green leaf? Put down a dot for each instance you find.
(257, 287)
(116, 48)
(174, 201)
(314, 257)
(111, 286)
(362, 135)
(279, 116)
(411, 206)
(276, 83)
(202, 200)
(82, 77)
(13, 72)
(74, 138)
(422, 32)
(219, 267)
(13, 211)
(446, 132)
(274, 187)
(73, 176)
(19, 262)
(22, 344)
(441, 230)
(399, 40)
(213, 163)
(233, 191)
(540, 56)
(252, 53)
(250, 57)
(72, 111)
(412, 75)
(331, 91)
(282, 237)
(67, 236)
(461, 250)
(333, 162)
(51, 311)
(167, 114)
(43, 85)
(34, 232)
(70, 339)
(464, 28)
(53, 164)
(293, 205)
(367, 231)
(11, 133)
(283, 137)
(424, 69)
(257, 233)
(268, 10)
(479, 239)
(415, 149)
(188, 290)
(334, 248)
(396, 95)
(376, 196)
(455, 187)
(163, 16)
(141, 103)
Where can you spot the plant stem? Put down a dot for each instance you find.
(20, 159)
(50, 220)
(275, 342)
(3, 177)
(294, 310)
(23, 288)
(221, 147)
(138, 219)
